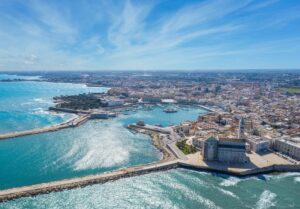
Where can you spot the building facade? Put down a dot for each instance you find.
(224, 150)
(287, 147)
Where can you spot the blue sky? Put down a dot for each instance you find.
(149, 34)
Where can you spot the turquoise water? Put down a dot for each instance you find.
(104, 145)
(176, 189)
(12, 77)
(95, 147)
(24, 105)
(156, 115)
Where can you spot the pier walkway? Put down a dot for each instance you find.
(71, 123)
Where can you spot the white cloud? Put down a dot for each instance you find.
(106, 35)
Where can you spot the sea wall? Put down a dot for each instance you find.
(249, 172)
(10, 194)
(67, 110)
(14, 193)
(72, 123)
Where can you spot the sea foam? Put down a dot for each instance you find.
(266, 200)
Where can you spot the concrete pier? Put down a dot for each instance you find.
(72, 123)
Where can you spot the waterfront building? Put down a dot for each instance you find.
(99, 115)
(210, 149)
(258, 144)
(115, 103)
(225, 150)
(288, 146)
(151, 100)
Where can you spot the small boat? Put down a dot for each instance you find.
(170, 110)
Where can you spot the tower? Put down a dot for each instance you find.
(241, 130)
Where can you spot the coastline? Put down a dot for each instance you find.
(125, 173)
(168, 161)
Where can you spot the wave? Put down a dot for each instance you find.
(229, 193)
(282, 175)
(297, 179)
(231, 181)
(173, 183)
(41, 111)
(266, 200)
(100, 149)
(42, 101)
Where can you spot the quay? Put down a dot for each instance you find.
(71, 123)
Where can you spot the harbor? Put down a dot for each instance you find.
(259, 165)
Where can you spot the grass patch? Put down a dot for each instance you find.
(185, 148)
(290, 90)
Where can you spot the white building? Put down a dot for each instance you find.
(258, 144)
(115, 103)
(288, 146)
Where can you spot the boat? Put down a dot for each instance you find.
(170, 110)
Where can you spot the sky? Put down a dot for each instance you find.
(149, 34)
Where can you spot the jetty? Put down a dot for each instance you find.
(55, 186)
(71, 123)
(14, 193)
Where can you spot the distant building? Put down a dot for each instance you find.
(99, 115)
(258, 144)
(151, 100)
(224, 150)
(115, 103)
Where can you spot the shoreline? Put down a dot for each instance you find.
(168, 161)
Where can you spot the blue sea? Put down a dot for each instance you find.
(103, 145)
(176, 189)
(24, 105)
